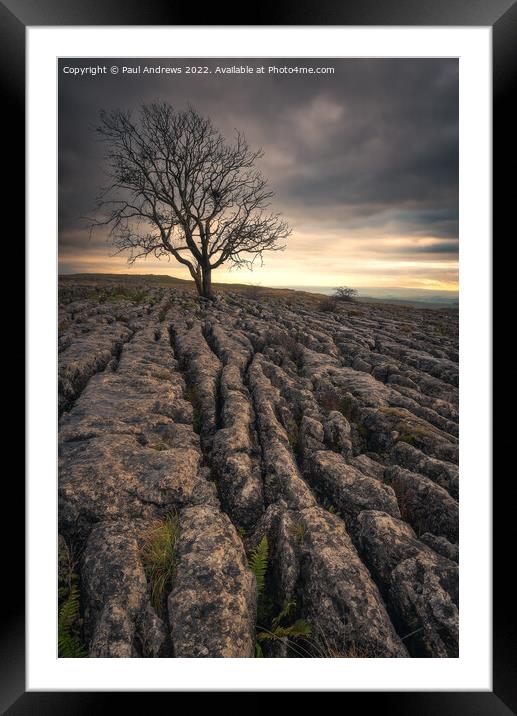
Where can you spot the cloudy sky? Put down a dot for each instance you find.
(363, 161)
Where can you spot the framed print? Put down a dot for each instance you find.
(261, 456)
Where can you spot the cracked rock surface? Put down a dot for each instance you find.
(334, 435)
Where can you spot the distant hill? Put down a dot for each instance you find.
(437, 303)
(165, 280)
(423, 298)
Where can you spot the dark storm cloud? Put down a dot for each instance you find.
(371, 149)
(442, 248)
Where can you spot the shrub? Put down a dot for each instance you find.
(344, 293)
(329, 305)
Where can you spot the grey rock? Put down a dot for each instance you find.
(420, 586)
(315, 563)
(115, 477)
(424, 504)
(203, 369)
(441, 546)
(86, 356)
(282, 479)
(238, 470)
(114, 587)
(445, 474)
(212, 606)
(368, 466)
(350, 490)
(338, 434)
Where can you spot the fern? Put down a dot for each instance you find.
(69, 620)
(283, 614)
(68, 642)
(69, 609)
(69, 647)
(300, 629)
(258, 564)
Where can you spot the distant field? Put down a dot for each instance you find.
(311, 297)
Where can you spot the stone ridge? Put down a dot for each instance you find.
(333, 434)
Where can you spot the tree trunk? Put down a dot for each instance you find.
(207, 282)
(196, 275)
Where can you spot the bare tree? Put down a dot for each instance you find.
(177, 188)
(344, 293)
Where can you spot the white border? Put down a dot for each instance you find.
(472, 670)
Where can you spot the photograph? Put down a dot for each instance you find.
(258, 357)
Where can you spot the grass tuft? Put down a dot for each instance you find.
(122, 293)
(159, 446)
(300, 532)
(158, 555)
(161, 375)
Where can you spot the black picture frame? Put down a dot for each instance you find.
(501, 15)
